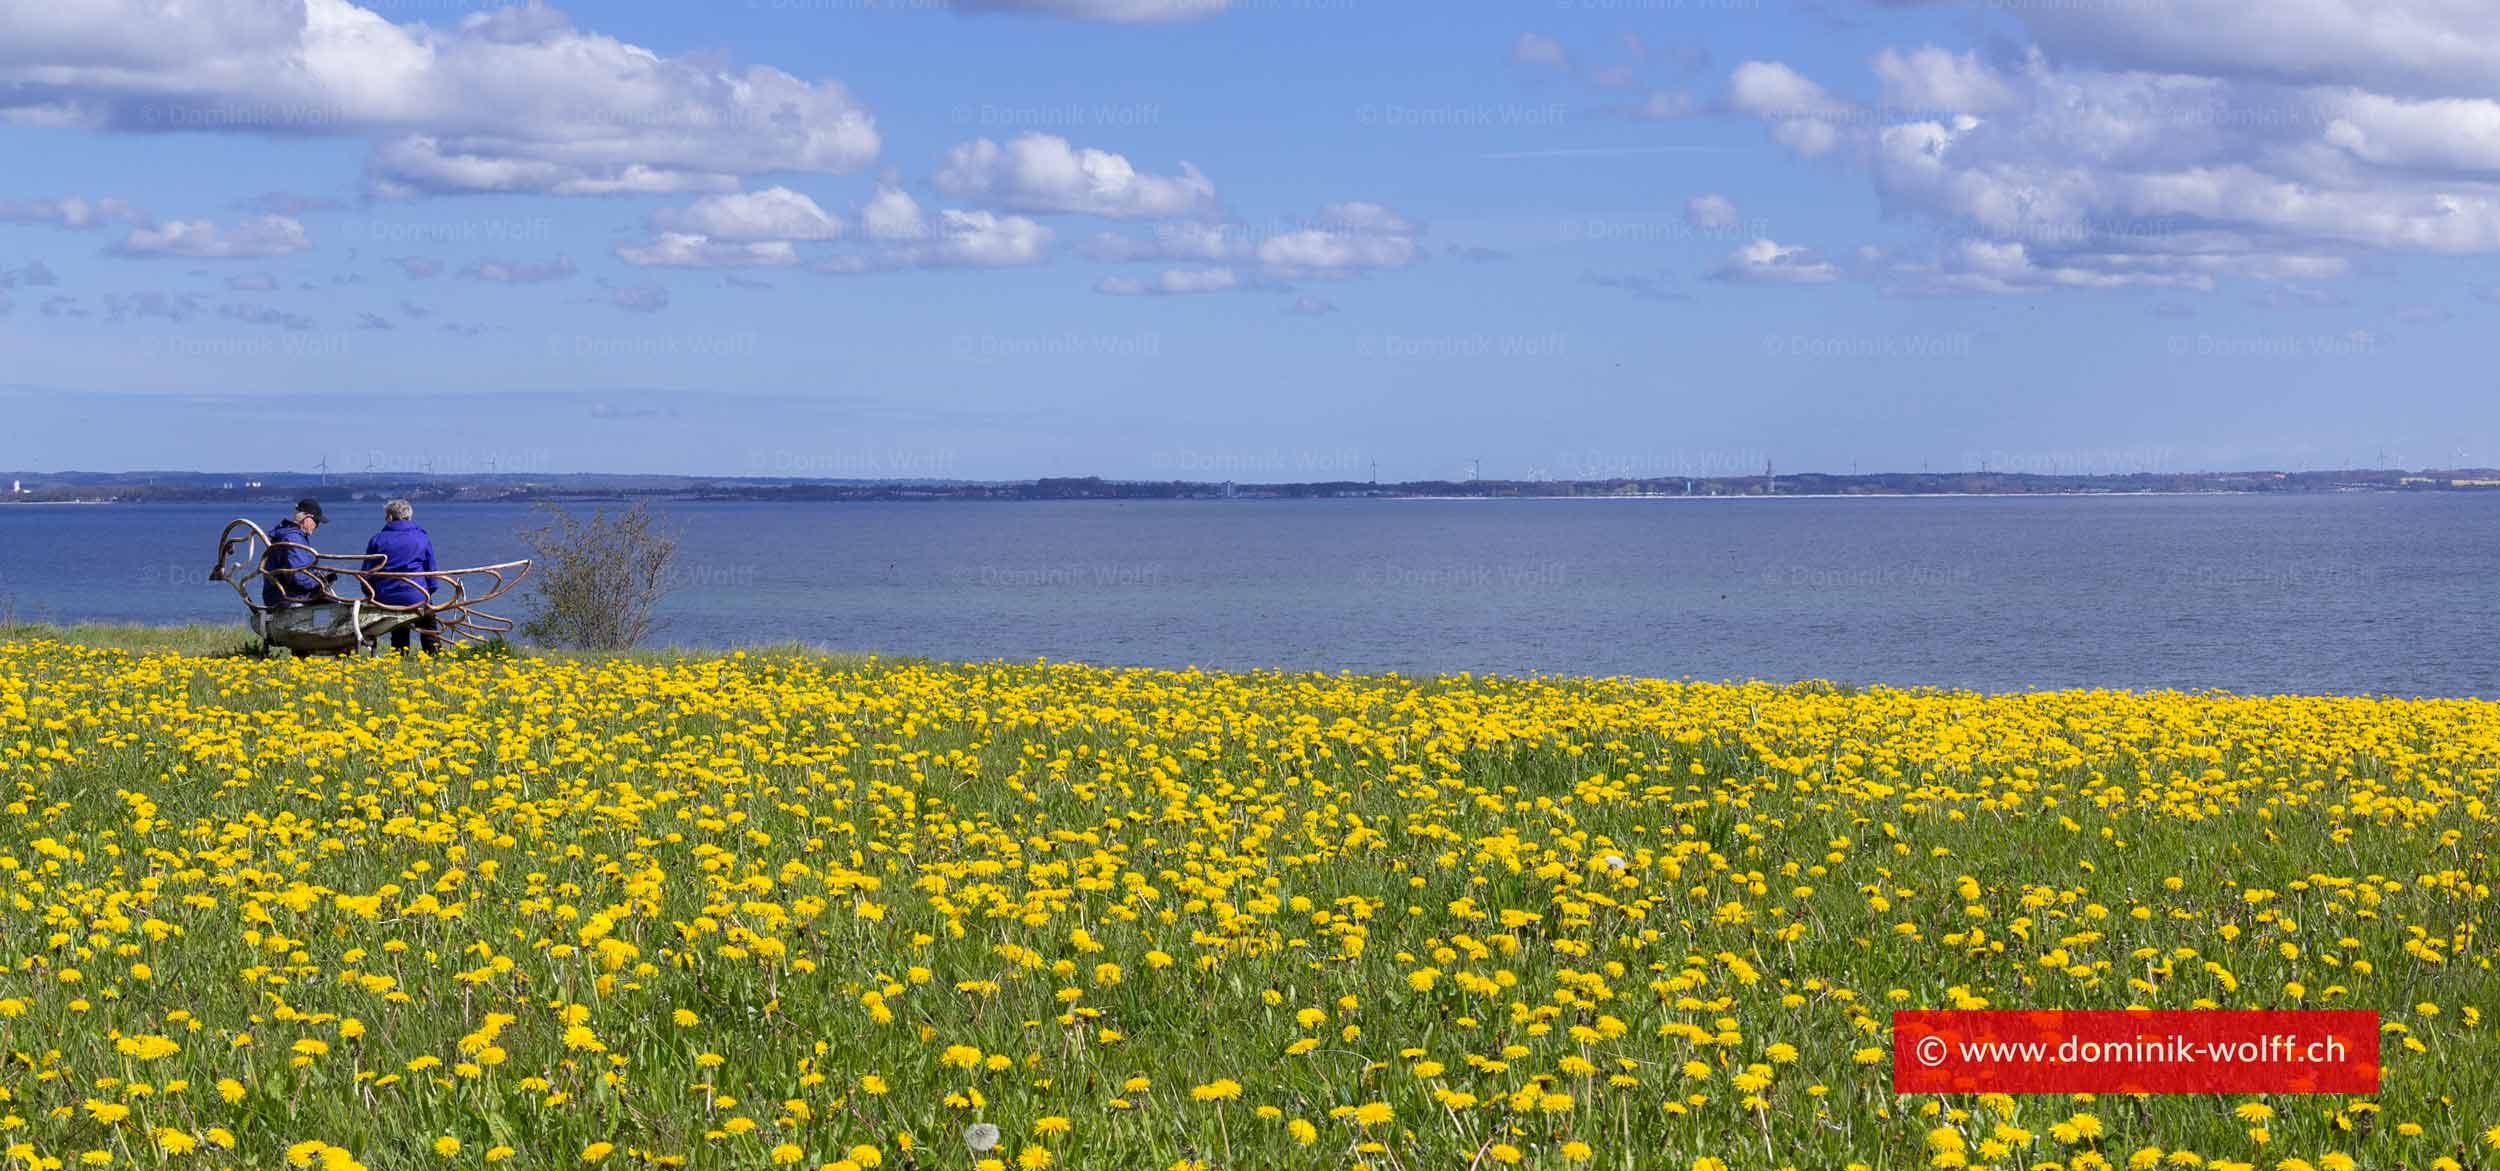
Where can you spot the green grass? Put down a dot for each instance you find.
(842, 870)
(198, 639)
(217, 641)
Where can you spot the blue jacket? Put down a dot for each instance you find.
(284, 581)
(405, 548)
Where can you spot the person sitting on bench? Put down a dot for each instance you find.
(290, 573)
(404, 547)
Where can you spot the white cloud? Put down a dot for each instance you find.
(251, 314)
(1104, 11)
(253, 238)
(1350, 237)
(892, 214)
(1172, 282)
(72, 212)
(1044, 173)
(1769, 89)
(1766, 262)
(2411, 47)
(980, 239)
(1991, 266)
(1317, 252)
(1801, 113)
(511, 100)
(684, 250)
(639, 298)
(36, 275)
(2445, 134)
(775, 213)
(2120, 153)
(515, 272)
(958, 239)
(1359, 216)
(1665, 105)
(1931, 79)
(1540, 50)
(1177, 240)
(1710, 210)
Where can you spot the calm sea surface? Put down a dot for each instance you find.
(2311, 593)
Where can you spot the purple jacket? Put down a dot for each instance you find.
(285, 581)
(405, 548)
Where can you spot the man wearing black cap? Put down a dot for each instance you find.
(288, 573)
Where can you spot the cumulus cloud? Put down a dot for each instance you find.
(683, 250)
(1664, 105)
(639, 298)
(1360, 216)
(1172, 282)
(258, 237)
(892, 214)
(980, 239)
(1540, 50)
(2408, 47)
(1103, 11)
(1317, 253)
(151, 303)
(955, 239)
(1931, 79)
(1045, 173)
(775, 213)
(1178, 240)
(2175, 144)
(35, 275)
(1991, 266)
(1767, 262)
(516, 99)
(520, 272)
(72, 212)
(1802, 115)
(1646, 288)
(289, 203)
(1710, 210)
(1346, 238)
(251, 314)
(1769, 89)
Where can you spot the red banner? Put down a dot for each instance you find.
(2123, 1052)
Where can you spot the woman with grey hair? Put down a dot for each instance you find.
(404, 547)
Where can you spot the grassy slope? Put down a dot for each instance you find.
(197, 638)
(214, 640)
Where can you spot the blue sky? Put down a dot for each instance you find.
(1264, 239)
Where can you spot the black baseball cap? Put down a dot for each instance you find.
(312, 508)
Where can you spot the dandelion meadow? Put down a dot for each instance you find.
(746, 911)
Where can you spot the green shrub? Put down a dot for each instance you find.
(598, 580)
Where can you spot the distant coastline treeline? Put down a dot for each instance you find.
(174, 487)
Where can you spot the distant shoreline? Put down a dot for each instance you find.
(1899, 495)
(257, 489)
(603, 498)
